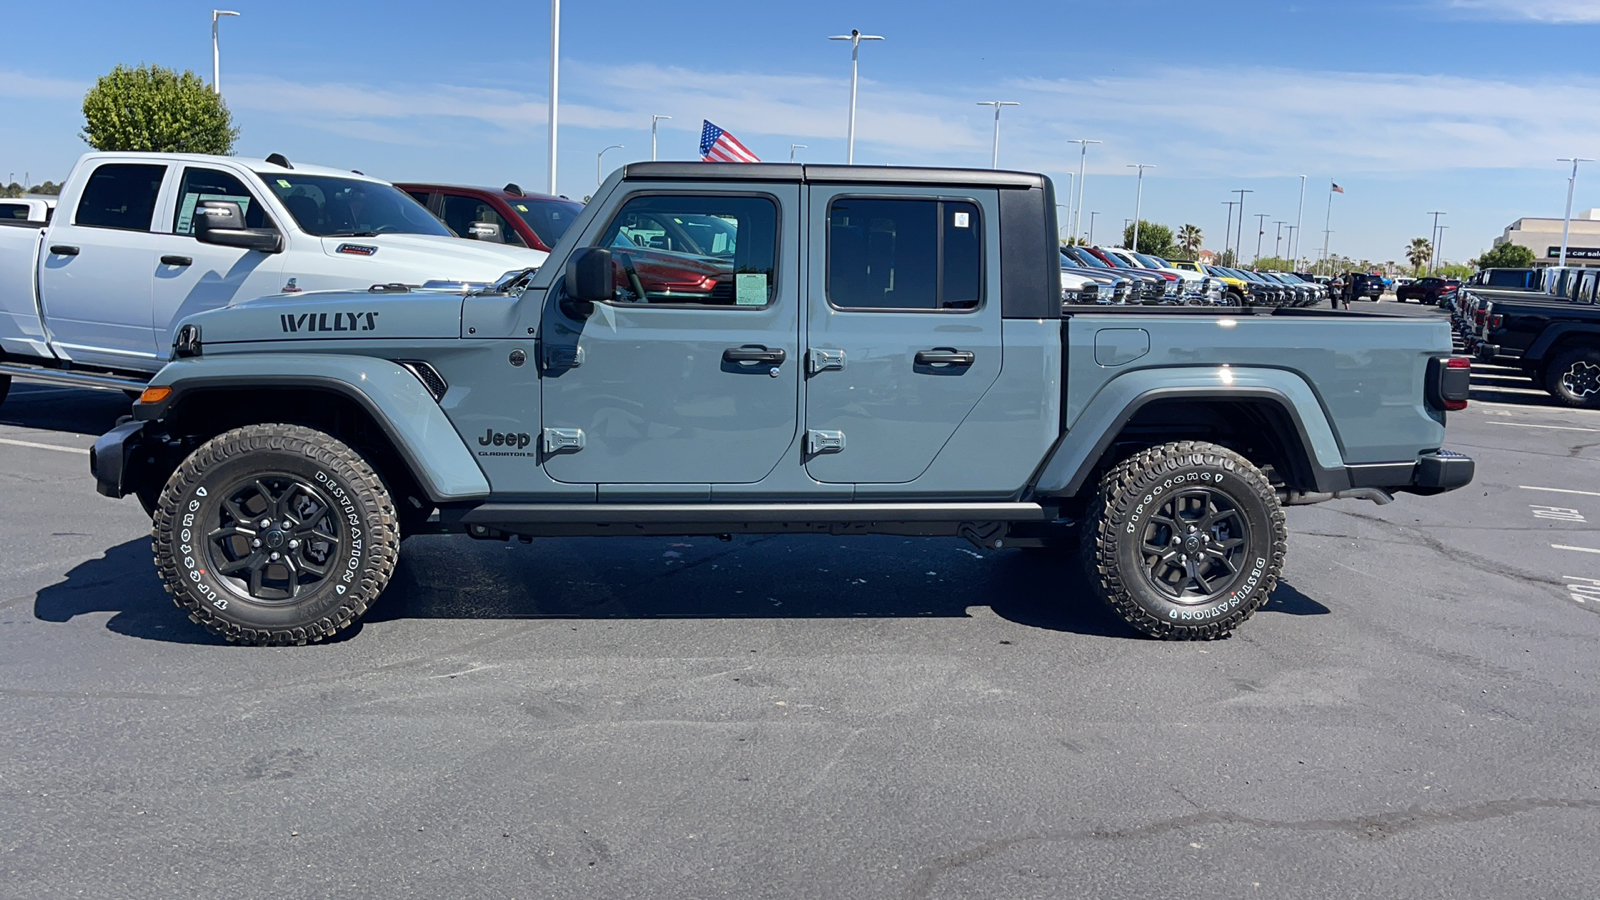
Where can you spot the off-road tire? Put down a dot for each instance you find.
(288, 471)
(1573, 378)
(1132, 501)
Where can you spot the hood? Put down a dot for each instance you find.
(420, 258)
(333, 315)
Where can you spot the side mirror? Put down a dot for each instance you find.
(590, 276)
(221, 222)
(486, 231)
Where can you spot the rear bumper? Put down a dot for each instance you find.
(112, 456)
(1431, 473)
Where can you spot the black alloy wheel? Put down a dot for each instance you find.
(1194, 545)
(1574, 378)
(274, 536)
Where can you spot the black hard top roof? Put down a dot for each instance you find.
(700, 171)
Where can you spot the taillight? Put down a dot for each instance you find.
(1449, 381)
(1477, 316)
(1496, 320)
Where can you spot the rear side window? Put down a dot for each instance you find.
(200, 185)
(916, 255)
(14, 211)
(122, 196)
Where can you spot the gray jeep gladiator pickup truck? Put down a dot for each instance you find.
(864, 350)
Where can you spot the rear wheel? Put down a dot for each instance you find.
(1185, 541)
(275, 534)
(1574, 378)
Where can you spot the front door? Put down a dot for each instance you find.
(903, 329)
(690, 375)
(192, 277)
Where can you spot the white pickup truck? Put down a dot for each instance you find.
(141, 240)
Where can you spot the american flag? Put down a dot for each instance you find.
(1336, 188)
(717, 145)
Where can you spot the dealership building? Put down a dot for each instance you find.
(1543, 237)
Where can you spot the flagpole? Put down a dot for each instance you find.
(1294, 249)
(1327, 224)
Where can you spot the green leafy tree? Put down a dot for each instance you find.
(1226, 258)
(1455, 270)
(154, 108)
(1274, 264)
(1506, 256)
(1154, 239)
(1418, 253)
(1189, 238)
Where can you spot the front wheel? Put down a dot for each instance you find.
(1185, 541)
(1574, 378)
(275, 534)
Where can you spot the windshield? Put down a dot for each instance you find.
(1084, 258)
(327, 206)
(1150, 262)
(549, 219)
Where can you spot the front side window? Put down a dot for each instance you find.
(695, 250)
(200, 185)
(121, 196)
(329, 206)
(460, 212)
(905, 254)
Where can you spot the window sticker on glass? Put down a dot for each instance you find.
(284, 184)
(962, 220)
(521, 208)
(750, 290)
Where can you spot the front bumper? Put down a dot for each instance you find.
(113, 456)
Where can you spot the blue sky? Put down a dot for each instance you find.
(1453, 105)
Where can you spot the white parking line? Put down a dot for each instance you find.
(1579, 549)
(43, 446)
(1531, 425)
(1529, 487)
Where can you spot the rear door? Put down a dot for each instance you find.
(903, 326)
(94, 278)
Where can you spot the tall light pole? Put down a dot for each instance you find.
(1277, 240)
(555, 83)
(994, 160)
(1327, 226)
(1261, 232)
(855, 38)
(216, 54)
(598, 177)
(1069, 217)
(1069, 198)
(793, 148)
(1227, 234)
(1294, 248)
(1092, 214)
(1078, 216)
(653, 120)
(1438, 245)
(1566, 223)
(1433, 238)
(1238, 239)
(1138, 200)
(1294, 263)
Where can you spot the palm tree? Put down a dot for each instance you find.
(1189, 237)
(1418, 254)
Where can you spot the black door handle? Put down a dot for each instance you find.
(754, 354)
(944, 356)
(170, 260)
(64, 250)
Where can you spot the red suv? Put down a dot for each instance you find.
(521, 219)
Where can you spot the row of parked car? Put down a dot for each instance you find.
(1545, 322)
(1116, 276)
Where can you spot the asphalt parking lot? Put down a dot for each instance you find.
(1413, 714)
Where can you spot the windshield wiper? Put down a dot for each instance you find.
(351, 234)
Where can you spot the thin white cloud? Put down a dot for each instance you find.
(1551, 11)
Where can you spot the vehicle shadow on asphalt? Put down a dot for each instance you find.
(1034, 590)
(63, 409)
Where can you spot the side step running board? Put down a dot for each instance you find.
(71, 378)
(494, 514)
